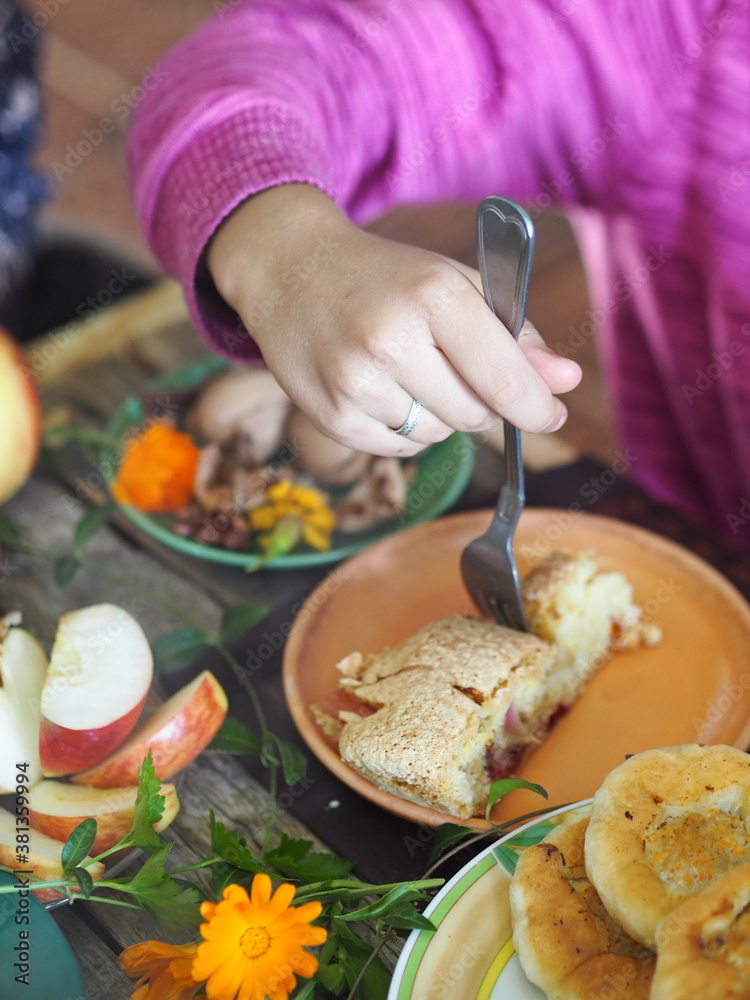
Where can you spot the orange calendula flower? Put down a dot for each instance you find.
(157, 471)
(293, 512)
(164, 970)
(253, 947)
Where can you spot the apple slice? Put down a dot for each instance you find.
(56, 808)
(99, 675)
(23, 668)
(175, 734)
(42, 861)
(20, 418)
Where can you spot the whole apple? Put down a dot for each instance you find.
(20, 418)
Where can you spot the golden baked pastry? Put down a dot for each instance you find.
(441, 698)
(704, 944)
(440, 716)
(663, 825)
(587, 614)
(566, 941)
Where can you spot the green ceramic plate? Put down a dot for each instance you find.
(441, 476)
(35, 959)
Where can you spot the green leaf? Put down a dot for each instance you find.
(232, 848)
(331, 978)
(235, 737)
(293, 762)
(149, 806)
(289, 847)
(64, 569)
(78, 844)
(500, 788)
(533, 835)
(446, 835)
(91, 522)
(506, 857)
(406, 918)
(506, 854)
(9, 532)
(85, 881)
(178, 649)
(238, 620)
(352, 954)
(404, 892)
(175, 904)
(293, 859)
(284, 537)
(320, 867)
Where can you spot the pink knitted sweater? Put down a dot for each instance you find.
(635, 114)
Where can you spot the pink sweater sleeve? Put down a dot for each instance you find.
(381, 102)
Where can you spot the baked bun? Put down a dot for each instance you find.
(663, 825)
(438, 735)
(704, 944)
(567, 943)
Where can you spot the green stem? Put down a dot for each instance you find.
(206, 863)
(33, 885)
(109, 902)
(317, 889)
(248, 688)
(85, 435)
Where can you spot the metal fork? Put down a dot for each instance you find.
(505, 237)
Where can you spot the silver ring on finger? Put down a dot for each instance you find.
(412, 420)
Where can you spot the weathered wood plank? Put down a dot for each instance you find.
(101, 973)
(74, 346)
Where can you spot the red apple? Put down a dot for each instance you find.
(42, 861)
(99, 675)
(175, 734)
(56, 808)
(23, 668)
(20, 418)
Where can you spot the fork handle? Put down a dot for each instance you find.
(505, 239)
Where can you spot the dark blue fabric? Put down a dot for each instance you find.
(22, 187)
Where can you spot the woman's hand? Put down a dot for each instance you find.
(355, 326)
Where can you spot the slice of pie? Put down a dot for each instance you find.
(441, 715)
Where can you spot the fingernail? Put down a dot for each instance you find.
(561, 420)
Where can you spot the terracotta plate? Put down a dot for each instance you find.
(693, 687)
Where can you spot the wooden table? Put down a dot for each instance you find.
(88, 376)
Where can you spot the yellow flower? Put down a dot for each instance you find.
(253, 947)
(165, 970)
(157, 471)
(294, 511)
